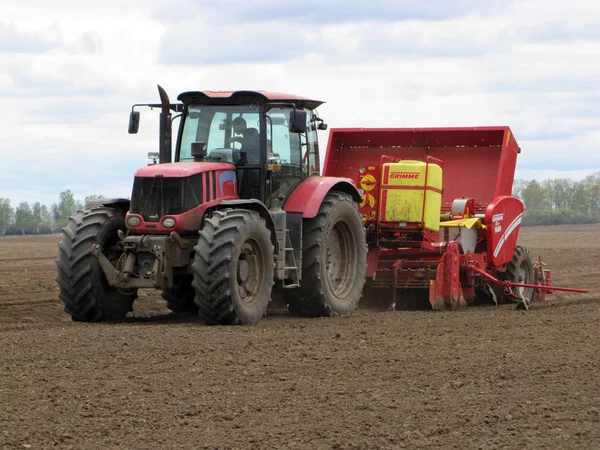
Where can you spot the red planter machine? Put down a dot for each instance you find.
(438, 212)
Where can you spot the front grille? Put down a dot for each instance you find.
(154, 197)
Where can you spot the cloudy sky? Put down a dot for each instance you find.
(70, 73)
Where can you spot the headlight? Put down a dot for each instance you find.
(169, 222)
(133, 221)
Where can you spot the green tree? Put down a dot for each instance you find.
(535, 197)
(518, 186)
(67, 206)
(55, 213)
(581, 201)
(6, 214)
(23, 217)
(36, 211)
(560, 193)
(592, 187)
(47, 219)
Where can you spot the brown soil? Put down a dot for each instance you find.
(484, 377)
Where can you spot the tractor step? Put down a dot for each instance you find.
(291, 267)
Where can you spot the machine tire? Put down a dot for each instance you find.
(233, 268)
(83, 288)
(520, 270)
(336, 231)
(180, 298)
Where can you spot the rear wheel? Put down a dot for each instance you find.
(83, 288)
(180, 298)
(520, 270)
(233, 268)
(333, 261)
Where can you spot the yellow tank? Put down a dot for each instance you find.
(403, 189)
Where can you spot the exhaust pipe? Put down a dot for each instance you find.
(165, 133)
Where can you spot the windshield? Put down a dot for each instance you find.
(231, 133)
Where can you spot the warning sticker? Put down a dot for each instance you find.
(368, 200)
(368, 182)
(368, 217)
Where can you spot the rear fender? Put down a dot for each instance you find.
(253, 205)
(308, 195)
(503, 219)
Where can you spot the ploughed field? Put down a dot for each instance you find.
(483, 377)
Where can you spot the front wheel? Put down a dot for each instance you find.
(83, 288)
(233, 268)
(334, 258)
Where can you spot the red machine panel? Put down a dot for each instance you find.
(503, 220)
(479, 163)
(368, 181)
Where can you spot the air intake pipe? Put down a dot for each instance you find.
(165, 133)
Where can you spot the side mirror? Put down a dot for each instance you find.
(322, 126)
(297, 121)
(199, 151)
(134, 122)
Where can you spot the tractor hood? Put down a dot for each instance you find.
(182, 169)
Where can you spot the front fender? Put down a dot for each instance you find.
(306, 199)
(259, 207)
(116, 203)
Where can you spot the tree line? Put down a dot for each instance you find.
(551, 202)
(560, 201)
(36, 218)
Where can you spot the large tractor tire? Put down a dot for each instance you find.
(233, 268)
(83, 288)
(520, 270)
(180, 298)
(334, 258)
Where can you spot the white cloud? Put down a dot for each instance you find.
(15, 40)
(70, 75)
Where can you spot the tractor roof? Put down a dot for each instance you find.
(244, 98)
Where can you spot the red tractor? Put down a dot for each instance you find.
(241, 211)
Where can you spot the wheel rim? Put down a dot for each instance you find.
(340, 259)
(525, 275)
(250, 272)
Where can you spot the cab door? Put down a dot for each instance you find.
(285, 156)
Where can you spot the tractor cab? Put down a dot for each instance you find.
(270, 138)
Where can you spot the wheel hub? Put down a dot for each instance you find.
(250, 272)
(243, 271)
(339, 259)
(524, 276)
